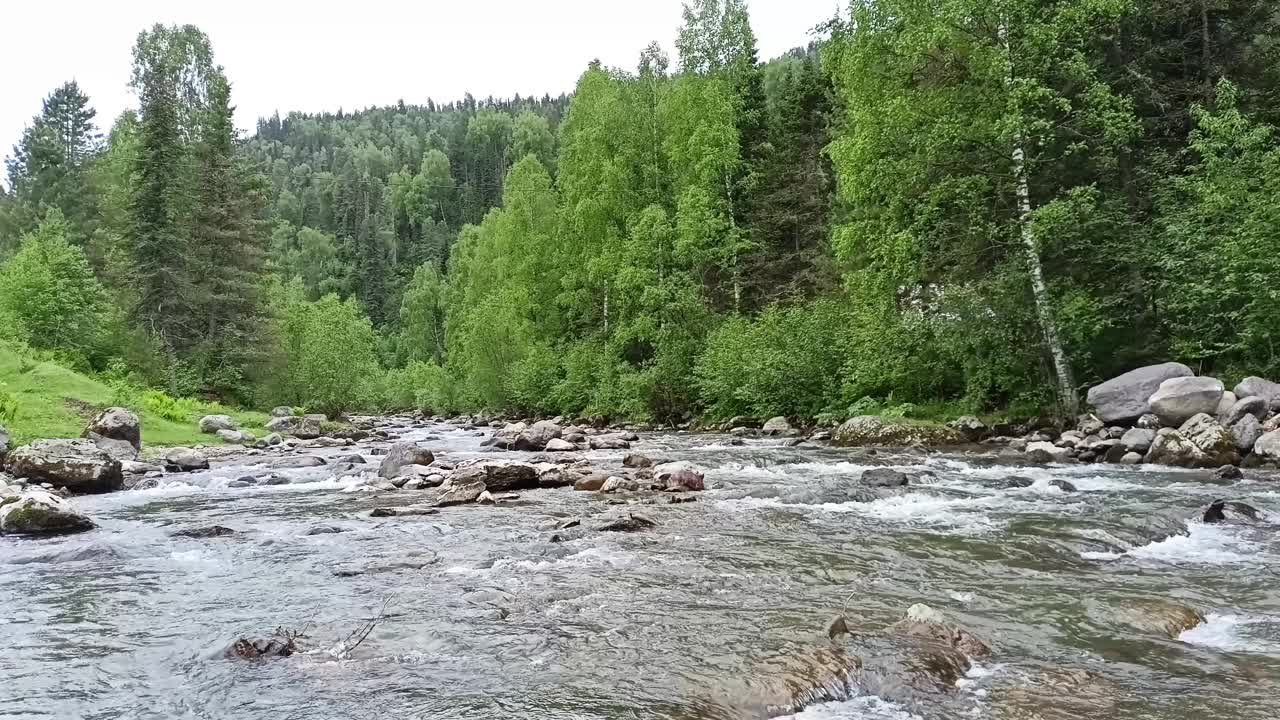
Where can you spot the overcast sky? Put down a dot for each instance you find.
(327, 54)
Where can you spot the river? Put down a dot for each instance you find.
(486, 617)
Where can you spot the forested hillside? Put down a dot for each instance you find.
(967, 205)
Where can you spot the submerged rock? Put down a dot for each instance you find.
(1230, 511)
(402, 511)
(37, 512)
(78, 465)
(210, 531)
(636, 460)
(630, 523)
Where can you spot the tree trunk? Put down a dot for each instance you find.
(1205, 53)
(1067, 398)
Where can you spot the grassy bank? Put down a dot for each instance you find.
(53, 401)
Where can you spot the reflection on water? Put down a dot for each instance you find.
(697, 618)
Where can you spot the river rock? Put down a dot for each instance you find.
(37, 512)
(1126, 397)
(459, 492)
(883, 477)
(1228, 472)
(873, 430)
(496, 475)
(1245, 432)
(1258, 387)
(185, 460)
(213, 423)
(1179, 399)
(268, 441)
(1256, 406)
(560, 445)
(1148, 422)
(208, 531)
(972, 428)
(1268, 446)
(536, 437)
(115, 423)
(630, 523)
(1090, 425)
(1046, 452)
(297, 462)
(78, 465)
(591, 483)
(619, 484)
(636, 460)
(1212, 439)
(1170, 447)
(612, 441)
(1228, 511)
(1160, 617)
(776, 426)
(1131, 458)
(402, 454)
(1224, 406)
(304, 428)
(940, 650)
(232, 436)
(281, 411)
(679, 476)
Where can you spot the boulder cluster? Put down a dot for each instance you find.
(1166, 415)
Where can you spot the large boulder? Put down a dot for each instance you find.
(776, 426)
(1227, 402)
(873, 430)
(1046, 452)
(78, 465)
(213, 423)
(1137, 439)
(497, 475)
(402, 454)
(1246, 432)
(1172, 447)
(185, 460)
(1125, 398)
(1268, 446)
(305, 427)
(1179, 399)
(1257, 387)
(536, 437)
(280, 411)
(1212, 439)
(1256, 406)
(679, 476)
(970, 426)
(460, 492)
(115, 423)
(610, 441)
(36, 512)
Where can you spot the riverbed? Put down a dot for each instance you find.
(487, 616)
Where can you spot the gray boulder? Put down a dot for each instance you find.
(776, 426)
(402, 454)
(873, 430)
(884, 477)
(1090, 425)
(1268, 446)
(1173, 448)
(1252, 405)
(1047, 452)
(305, 428)
(615, 484)
(1131, 458)
(1212, 439)
(1225, 404)
(1179, 399)
(78, 465)
(560, 445)
(121, 450)
(1246, 432)
(185, 460)
(235, 436)
(1138, 439)
(1257, 387)
(458, 493)
(268, 441)
(37, 512)
(612, 441)
(213, 423)
(496, 475)
(537, 436)
(281, 411)
(297, 462)
(1148, 422)
(115, 423)
(1125, 398)
(970, 426)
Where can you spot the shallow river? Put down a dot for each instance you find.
(487, 618)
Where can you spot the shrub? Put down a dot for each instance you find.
(8, 408)
(161, 404)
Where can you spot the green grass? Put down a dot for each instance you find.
(54, 401)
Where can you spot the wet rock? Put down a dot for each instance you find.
(78, 465)
(1042, 453)
(1014, 482)
(497, 475)
(209, 531)
(274, 479)
(1228, 472)
(969, 426)
(324, 530)
(134, 467)
(1069, 439)
(554, 476)
(297, 462)
(1180, 399)
(938, 651)
(254, 649)
(115, 423)
(636, 460)
(776, 426)
(423, 482)
(403, 454)
(1126, 397)
(619, 484)
(185, 460)
(609, 442)
(630, 523)
(820, 436)
(459, 492)
(591, 483)
(1160, 617)
(679, 476)
(1060, 694)
(872, 430)
(1258, 387)
(353, 459)
(1062, 485)
(402, 511)
(883, 477)
(1115, 453)
(1229, 511)
(38, 512)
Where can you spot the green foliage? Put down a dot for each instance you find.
(161, 404)
(330, 353)
(421, 386)
(8, 408)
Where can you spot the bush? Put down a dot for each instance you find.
(8, 408)
(421, 386)
(328, 355)
(161, 404)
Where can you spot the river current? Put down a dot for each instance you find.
(486, 617)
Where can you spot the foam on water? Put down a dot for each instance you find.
(859, 708)
(1231, 632)
(1204, 544)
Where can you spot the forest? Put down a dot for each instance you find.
(934, 207)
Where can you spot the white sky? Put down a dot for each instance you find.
(350, 54)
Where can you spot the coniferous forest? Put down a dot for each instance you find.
(934, 207)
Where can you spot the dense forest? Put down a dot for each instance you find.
(936, 205)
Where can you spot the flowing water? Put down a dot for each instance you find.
(486, 617)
